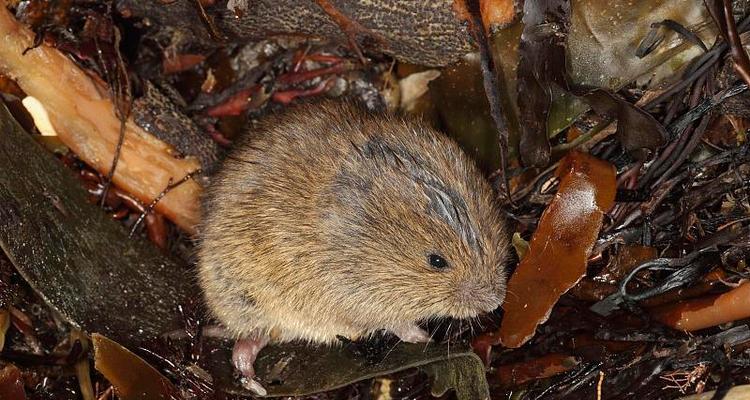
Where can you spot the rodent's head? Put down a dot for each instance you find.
(415, 225)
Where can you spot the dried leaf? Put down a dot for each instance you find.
(482, 345)
(11, 385)
(537, 368)
(465, 375)
(637, 130)
(414, 86)
(560, 246)
(728, 131)
(132, 377)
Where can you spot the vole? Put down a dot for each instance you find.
(329, 220)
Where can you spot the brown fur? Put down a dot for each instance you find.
(321, 224)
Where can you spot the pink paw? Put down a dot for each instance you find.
(243, 358)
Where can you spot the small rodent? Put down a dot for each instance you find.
(330, 220)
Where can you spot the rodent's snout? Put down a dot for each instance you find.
(475, 299)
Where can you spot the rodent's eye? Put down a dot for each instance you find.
(437, 261)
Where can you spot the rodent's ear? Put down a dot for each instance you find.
(447, 205)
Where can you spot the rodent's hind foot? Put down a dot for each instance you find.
(244, 353)
(412, 334)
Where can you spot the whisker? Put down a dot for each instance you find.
(448, 332)
(391, 350)
(509, 293)
(480, 324)
(431, 336)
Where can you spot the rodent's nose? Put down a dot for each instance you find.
(492, 303)
(480, 298)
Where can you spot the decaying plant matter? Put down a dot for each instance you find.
(87, 121)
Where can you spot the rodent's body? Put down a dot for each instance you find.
(331, 221)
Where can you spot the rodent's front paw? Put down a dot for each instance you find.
(412, 334)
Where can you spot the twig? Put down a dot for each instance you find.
(489, 79)
(692, 143)
(107, 394)
(171, 185)
(710, 60)
(577, 376)
(739, 56)
(86, 121)
(123, 112)
(668, 157)
(679, 130)
(707, 104)
(349, 27)
(210, 26)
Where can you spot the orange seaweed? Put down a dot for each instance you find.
(712, 280)
(537, 368)
(708, 311)
(495, 13)
(560, 246)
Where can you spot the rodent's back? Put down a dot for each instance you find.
(257, 218)
(320, 224)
